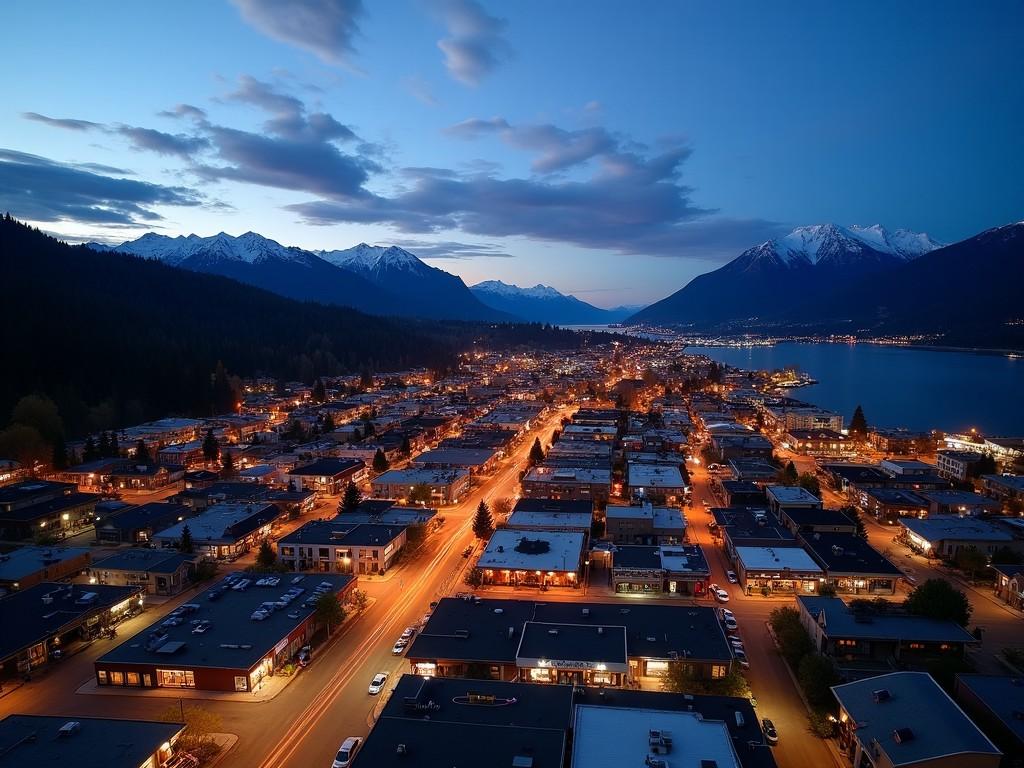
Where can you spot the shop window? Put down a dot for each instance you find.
(117, 678)
(241, 683)
(718, 671)
(147, 680)
(175, 678)
(132, 678)
(915, 646)
(101, 677)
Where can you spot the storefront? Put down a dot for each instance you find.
(574, 672)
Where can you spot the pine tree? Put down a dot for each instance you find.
(142, 453)
(319, 391)
(406, 449)
(89, 452)
(357, 435)
(60, 454)
(351, 499)
(266, 558)
(789, 475)
(858, 424)
(536, 453)
(328, 425)
(368, 429)
(227, 464)
(380, 462)
(185, 543)
(211, 450)
(103, 448)
(483, 523)
(115, 448)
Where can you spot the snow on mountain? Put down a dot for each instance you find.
(372, 259)
(499, 288)
(249, 248)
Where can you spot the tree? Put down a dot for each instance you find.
(89, 452)
(986, 465)
(103, 446)
(185, 542)
(681, 678)
(142, 452)
(501, 508)
(860, 530)
(794, 642)
(328, 423)
(420, 494)
(817, 674)
(200, 725)
(329, 611)
(227, 464)
(380, 462)
(483, 523)
(351, 498)
(810, 483)
(474, 578)
(597, 528)
(536, 453)
(971, 561)
(357, 435)
(789, 475)
(368, 429)
(319, 391)
(938, 599)
(1006, 556)
(859, 425)
(211, 450)
(266, 558)
(60, 454)
(115, 449)
(406, 449)
(360, 599)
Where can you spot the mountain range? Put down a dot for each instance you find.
(544, 304)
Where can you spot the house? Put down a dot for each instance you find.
(128, 475)
(660, 570)
(567, 483)
(341, 546)
(890, 504)
(228, 639)
(851, 565)
(86, 742)
(551, 515)
(995, 703)
(791, 497)
(786, 569)
(158, 571)
(34, 507)
(864, 635)
(907, 719)
(957, 465)
(944, 536)
(223, 531)
(645, 524)
(27, 566)
(137, 524)
(182, 454)
(446, 486)
(820, 442)
(328, 476)
(533, 558)
(1009, 584)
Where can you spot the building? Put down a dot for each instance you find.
(645, 524)
(807, 520)
(533, 558)
(388, 512)
(329, 476)
(753, 470)
(890, 504)
(790, 497)
(1006, 488)
(944, 536)
(899, 442)
(567, 483)
(820, 442)
(128, 475)
(138, 524)
(224, 530)
(446, 486)
(27, 566)
(727, 446)
(785, 418)
(182, 454)
(995, 703)
(660, 570)
(86, 742)
(655, 481)
(551, 515)
(957, 465)
(341, 546)
(748, 527)
(862, 635)
(158, 571)
(570, 642)
(228, 639)
(589, 433)
(40, 621)
(475, 460)
(1009, 584)
(906, 719)
(33, 507)
(851, 565)
(960, 503)
(739, 493)
(784, 569)
(906, 468)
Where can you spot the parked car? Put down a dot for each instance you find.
(720, 594)
(770, 734)
(304, 656)
(741, 657)
(347, 752)
(731, 576)
(377, 684)
(730, 623)
(467, 551)
(736, 644)
(408, 633)
(399, 646)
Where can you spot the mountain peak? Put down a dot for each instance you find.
(500, 288)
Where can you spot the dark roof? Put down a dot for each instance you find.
(641, 556)
(17, 492)
(142, 559)
(328, 467)
(896, 496)
(32, 615)
(338, 532)
(579, 642)
(229, 491)
(34, 740)
(842, 622)
(856, 473)
(1002, 696)
(847, 553)
(815, 516)
(231, 625)
(155, 515)
(554, 505)
(33, 512)
(1008, 570)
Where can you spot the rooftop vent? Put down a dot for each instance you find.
(69, 728)
(400, 749)
(585, 611)
(882, 694)
(903, 735)
(522, 761)
(463, 633)
(499, 611)
(552, 631)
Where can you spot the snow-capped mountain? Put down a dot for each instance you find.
(543, 304)
(249, 248)
(803, 263)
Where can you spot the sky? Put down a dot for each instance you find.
(612, 150)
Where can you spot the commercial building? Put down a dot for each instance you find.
(807, 520)
(945, 536)
(748, 527)
(341, 546)
(655, 481)
(86, 742)
(533, 558)
(906, 719)
(899, 442)
(778, 569)
(890, 504)
(329, 476)
(740, 493)
(446, 486)
(660, 570)
(851, 565)
(138, 524)
(588, 433)
(820, 442)
(27, 566)
(790, 496)
(607, 644)
(753, 470)
(228, 639)
(960, 503)
(224, 530)
(475, 460)
(551, 515)
(567, 483)
(41, 620)
(1004, 487)
(957, 465)
(1009, 584)
(995, 703)
(41, 506)
(644, 524)
(157, 571)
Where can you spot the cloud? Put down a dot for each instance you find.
(289, 113)
(39, 189)
(474, 46)
(558, 149)
(149, 139)
(60, 122)
(452, 249)
(420, 90)
(184, 110)
(326, 28)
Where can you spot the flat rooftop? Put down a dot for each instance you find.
(214, 523)
(953, 527)
(455, 457)
(675, 559)
(24, 561)
(598, 645)
(842, 622)
(694, 740)
(417, 476)
(848, 553)
(589, 475)
(786, 495)
(670, 518)
(143, 559)
(34, 740)
(1001, 695)
(232, 638)
(517, 550)
(776, 559)
(552, 520)
(654, 476)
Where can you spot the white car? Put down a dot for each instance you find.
(377, 684)
(408, 633)
(720, 594)
(731, 576)
(741, 657)
(399, 647)
(347, 752)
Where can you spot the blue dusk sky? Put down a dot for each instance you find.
(614, 150)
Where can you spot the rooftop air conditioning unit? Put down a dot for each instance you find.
(69, 729)
(903, 735)
(882, 694)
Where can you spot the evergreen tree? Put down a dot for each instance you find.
(142, 453)
(357, 435)
(266, 558)
(227, 464)
(319, 391)
(185, 543)
(406, 449)
(211, 450)
(328, 425)
(858, 424)
(103, 449)
(483, 523)
(789, 475)
(351, 498)
(368, 429)
(536, 453)
(115, 448)
(420, 494)
(380, 462)
(60, 454)
(89, 452)
(329, 611)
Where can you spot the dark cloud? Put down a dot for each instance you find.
(105, 169)
(558, 148)
(40, 189)
(289, 119)
(184, 110)
(61, 122)
(474, 46)
(452, 249)
(162, 143)
(327, 28)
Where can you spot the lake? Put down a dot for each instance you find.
(900, 386)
